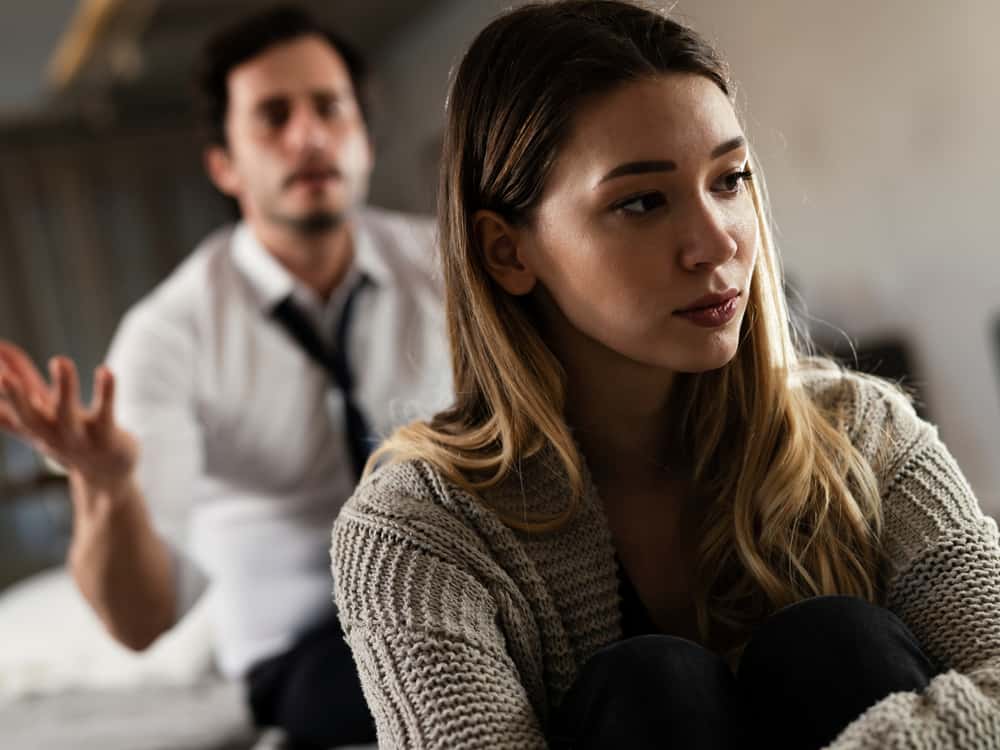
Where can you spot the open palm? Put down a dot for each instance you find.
(53, 419)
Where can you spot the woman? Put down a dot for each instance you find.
(647, 521)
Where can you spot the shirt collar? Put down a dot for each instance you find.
(272, 282)
(367, 257)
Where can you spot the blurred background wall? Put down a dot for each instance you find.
(876, 125)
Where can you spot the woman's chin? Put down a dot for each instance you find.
(697, 362)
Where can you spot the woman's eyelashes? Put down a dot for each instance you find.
(733, 181)
(637, 205)
(729, 184)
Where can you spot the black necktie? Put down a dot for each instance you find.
(335, 363)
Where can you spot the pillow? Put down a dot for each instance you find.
(51, 641)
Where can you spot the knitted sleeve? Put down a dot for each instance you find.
(943, 582)
(420, 605)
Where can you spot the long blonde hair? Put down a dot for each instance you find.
(794, 510)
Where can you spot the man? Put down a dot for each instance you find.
(248, 387)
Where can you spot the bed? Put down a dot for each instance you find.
(65, 684)
(204, 716)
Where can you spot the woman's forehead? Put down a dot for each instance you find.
(675, 117)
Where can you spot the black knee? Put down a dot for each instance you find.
(650, 691)
(323, 705)
(313, 693)
(827, 636)
(823, 662)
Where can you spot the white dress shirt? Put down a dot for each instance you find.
(244, 458)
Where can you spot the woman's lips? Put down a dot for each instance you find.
(713, 315)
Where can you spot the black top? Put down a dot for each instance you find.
(635, 618)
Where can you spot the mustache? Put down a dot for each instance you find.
(310, 172)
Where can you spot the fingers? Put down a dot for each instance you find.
(10, 355)
(25, 379)
(66, 384)
(102, 405)
(56, 423)
(16, 361)
(32, 423)
(8, 419)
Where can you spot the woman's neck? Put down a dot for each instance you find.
(617, 409)
(616, 406)
(621, 443)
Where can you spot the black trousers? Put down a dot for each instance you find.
(312, 692)
(807, 672)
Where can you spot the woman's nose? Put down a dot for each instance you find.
(707, 239)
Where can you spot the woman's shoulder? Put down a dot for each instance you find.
(877, 414)
(413, 501)
(406, 489)
(924, 494)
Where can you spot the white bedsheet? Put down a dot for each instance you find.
(208, 716)
(51, 642)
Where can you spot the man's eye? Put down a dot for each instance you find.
(275, 115)
(640, 204)
(327, 106)
(733, 182)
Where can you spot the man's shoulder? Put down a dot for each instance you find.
(207, 272)
(405, 242)
(175, 305)
(397, 224)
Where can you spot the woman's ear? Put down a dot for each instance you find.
(503, 252)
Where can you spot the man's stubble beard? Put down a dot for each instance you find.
(313, 223)
(323, 219)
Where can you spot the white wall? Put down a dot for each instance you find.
(412, 77)
(878, 125)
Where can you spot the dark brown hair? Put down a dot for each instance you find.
(248, 38)
(526, 76)
(509, 111)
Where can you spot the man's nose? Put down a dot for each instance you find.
(306, 131)
(707, 239)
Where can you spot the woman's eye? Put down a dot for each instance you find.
(641, 204)
(733, 182)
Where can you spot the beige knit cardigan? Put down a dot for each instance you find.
(466, 633)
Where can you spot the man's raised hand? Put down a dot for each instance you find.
(85, 440)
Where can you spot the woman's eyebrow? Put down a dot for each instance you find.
(650, 165)
(731, 145)
(639, 167)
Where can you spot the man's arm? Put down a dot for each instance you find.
(121, 565)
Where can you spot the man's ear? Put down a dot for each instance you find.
(219, 167)
(503, 251)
